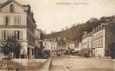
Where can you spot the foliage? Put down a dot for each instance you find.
(76, 31)
(11, 45)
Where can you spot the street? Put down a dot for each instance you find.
(57, 65)
(88, 64)
(76, 63)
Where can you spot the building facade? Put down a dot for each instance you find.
(86, 40)
(70, 45)
(98, 41)
(101, 41)
(50, 46)
(80, 47)
(86, 44)
(38, 43)
(17, 19)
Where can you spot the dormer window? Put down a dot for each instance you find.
(11, 8)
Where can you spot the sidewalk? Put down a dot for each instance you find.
(45, 66)
(57, 65)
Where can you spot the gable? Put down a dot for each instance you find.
(6, 7)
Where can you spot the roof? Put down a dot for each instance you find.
(25, 7)
(9, 1)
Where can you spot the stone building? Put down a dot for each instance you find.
(17, 19)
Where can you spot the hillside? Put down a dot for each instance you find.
(76, 31)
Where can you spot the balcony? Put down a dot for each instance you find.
(13, 26)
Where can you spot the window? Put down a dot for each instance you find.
(101, 33)
(17, 33)
(21, 34)
(87, 40)
(5, 35)
(52, 43)
(44, 43)
(11, 8)
(87, 45)
(6, 20)
(17, 20)
(67, 44)
(94, 37)
(101, 42)
(32, 51)
(17, 69)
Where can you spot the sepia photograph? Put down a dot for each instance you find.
(57, 35)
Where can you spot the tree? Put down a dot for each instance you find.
(11, 45)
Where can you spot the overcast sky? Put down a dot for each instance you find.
(53, 15)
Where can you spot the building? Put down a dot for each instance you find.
(1, 54)
(17, 19)
(77, 48)
(80, 46)
(70, 45)
(101, 40)
(98, 41)
(50, 46)
(86, 44)
(38, 42)
(86, 40)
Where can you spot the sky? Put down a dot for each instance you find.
(53, 15)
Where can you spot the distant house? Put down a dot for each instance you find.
(50, 46)
(70, 45)
(86, 40)
(86, 44)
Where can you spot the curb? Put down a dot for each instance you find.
(63, 65)
(46, 65)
